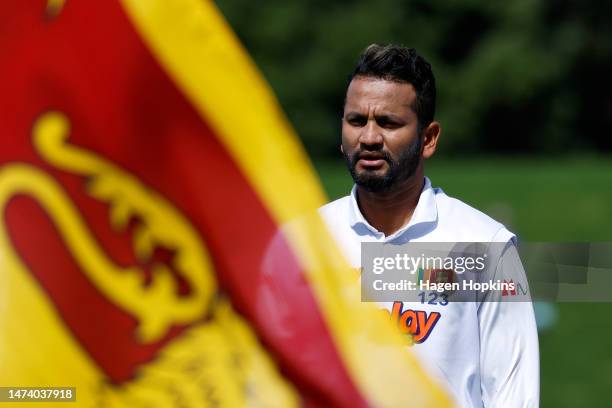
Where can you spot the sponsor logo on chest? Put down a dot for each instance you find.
(418, 323)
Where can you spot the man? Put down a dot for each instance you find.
(485, 352)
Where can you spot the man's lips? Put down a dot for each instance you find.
(371, 160)
(371, 163)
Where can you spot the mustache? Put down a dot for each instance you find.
(371, 154)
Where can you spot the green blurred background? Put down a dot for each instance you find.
(525, 103)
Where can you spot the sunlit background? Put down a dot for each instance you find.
(526, 110)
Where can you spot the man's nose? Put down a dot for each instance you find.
(371, 134)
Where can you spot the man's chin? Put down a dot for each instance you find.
(374, 184)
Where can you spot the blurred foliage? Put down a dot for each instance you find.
(522, 75)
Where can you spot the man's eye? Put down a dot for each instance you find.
(388, 124)
(357, 121)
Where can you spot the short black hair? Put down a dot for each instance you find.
(401, 64)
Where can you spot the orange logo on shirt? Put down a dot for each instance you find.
(414, 322)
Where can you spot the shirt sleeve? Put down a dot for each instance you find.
(509, 351)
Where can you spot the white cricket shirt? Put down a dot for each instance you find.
(484, 353)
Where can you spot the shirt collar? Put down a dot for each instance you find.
(425, 211)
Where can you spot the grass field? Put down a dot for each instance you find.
(561, 199)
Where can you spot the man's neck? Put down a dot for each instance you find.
(390, 211)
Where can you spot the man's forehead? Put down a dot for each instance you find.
(369, 90)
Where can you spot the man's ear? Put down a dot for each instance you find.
(431, 134)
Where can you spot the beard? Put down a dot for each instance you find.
(399, 170)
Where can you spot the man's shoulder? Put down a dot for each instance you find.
(456, 214)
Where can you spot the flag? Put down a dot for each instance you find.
(159, 244)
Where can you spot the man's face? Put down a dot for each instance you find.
(380, 138)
